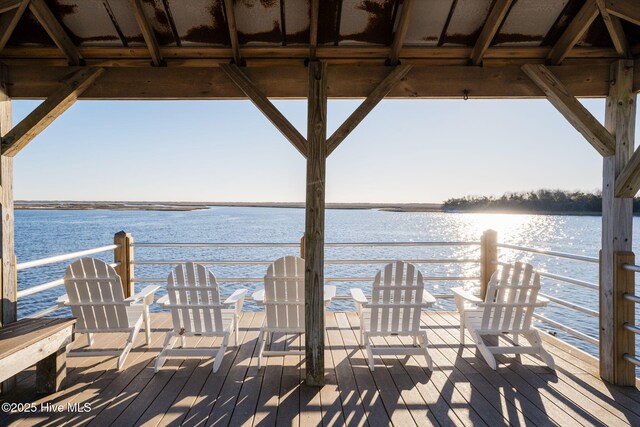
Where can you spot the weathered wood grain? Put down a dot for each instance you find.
(314, 223)
(59, 36)
(578, 26)
(401, 31)
(233, 31)
(491, 26)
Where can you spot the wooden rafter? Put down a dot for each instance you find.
(44, 114)
(581, 119)
(7, 5)
(59, 36)
(9, 21)
(574, 31)
(233, 31)
(401, 31)
(383, 88)
(616, 32)
(492, 25)
(314, 12)
(268, 109)
(147, 33)
(628, 10)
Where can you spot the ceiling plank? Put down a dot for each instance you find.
(616, 32)
(265, 106)
(625, 9)
(581, 119)
(9, 21)
(314, 12)
(492, 25)
(147, 33)
(233, 31)
(401, 31)
(377, 95)
(44, 114)
(59, 36)
(7, 5)
(578, 26)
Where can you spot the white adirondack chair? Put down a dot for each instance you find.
(194, 300)
(512, 297)
(283, 302)
(96, 298)
(398, 298)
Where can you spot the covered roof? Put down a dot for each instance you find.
(39, 36)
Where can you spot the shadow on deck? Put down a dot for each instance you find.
(462, 389)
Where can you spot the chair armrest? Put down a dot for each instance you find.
(236, 296)
(62, 300)
(428, 299)
(358, 296)
(543, 300)
(163, 300)
(258, 296)
(467, 296)
(329, 293)
(146, 295)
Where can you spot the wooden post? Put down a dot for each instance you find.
(488, 258)
(124, 255)
(314, 223)
(624, 340)
(302, 246)
(617, 219)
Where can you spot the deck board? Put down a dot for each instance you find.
(461, 391)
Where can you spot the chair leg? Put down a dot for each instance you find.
(169, 341)
(369, 351)
(127, 348)
(147, 324)
(183, 341)
(486, 353)
(361, 330)
(424, 344)
(220, 354)
(534, 339)
(236, 328)
(90, 340)
(462, 328)
(261, 343)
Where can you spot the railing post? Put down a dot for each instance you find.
(124, 255)
(488, 258)
(624, 312)
(302, 246)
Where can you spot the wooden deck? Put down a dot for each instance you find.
(462, 389)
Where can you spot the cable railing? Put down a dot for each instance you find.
(468, 258)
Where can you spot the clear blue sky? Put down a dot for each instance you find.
(404, 151)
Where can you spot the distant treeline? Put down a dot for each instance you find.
(541, 201)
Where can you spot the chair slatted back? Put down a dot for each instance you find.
(194, 299)
(511, 299)
(396, 300)
(284, 293)
(95, 295)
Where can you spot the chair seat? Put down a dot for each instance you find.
(366, 322)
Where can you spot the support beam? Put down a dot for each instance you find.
(581, 119)
(617, 213)
(59, 36)
(401, 31)
(574, 31)
(268, 109)
(147, 33)
(7, 5)
(624, 312)
(492, 25)
(628, 182)
(9, 21)
(616, 32)
(8, 282)
(625, 9)
(44, 114)
(314, 12)
(233, 31)
(314, 224)
(383, 88)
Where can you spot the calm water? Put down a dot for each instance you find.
(41, 234)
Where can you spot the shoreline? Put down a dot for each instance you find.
(193, 206)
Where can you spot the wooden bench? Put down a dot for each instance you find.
(42, 342)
